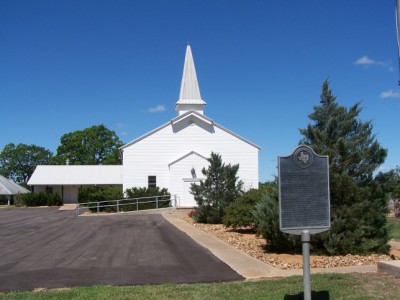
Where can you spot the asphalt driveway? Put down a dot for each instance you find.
(48, 248)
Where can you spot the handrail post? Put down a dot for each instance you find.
(137, 204)
(98, 206)
(156, 202)
(118, 206)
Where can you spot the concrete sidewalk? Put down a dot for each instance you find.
(242, 263)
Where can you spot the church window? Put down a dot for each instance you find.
(152, 181)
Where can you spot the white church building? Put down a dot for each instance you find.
(170, 156)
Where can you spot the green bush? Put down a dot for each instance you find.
(38, 199)
(134, 193)
(239, 212)
(358, 224)
(100, 193)
(266, 214)
(350, 232)
(4, 200)
(207, 214)
(18, 201)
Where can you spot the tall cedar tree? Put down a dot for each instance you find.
(358, 213)
(95, 145)
(214, 194)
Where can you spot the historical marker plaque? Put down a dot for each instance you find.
(304, 202)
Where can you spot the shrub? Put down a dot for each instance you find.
(207, 214)
(266, 214)
(191, 213)
(4, 200)
(240, 212)
(38, 199)
(100, 193)
(141, 192)
(18, 201)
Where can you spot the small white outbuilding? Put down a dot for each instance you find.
(173, 155)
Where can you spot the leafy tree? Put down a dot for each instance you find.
(358, 215)
(217, 191)
(18, 162)
(95, 145)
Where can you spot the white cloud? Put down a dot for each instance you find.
(121, 125)
(389, 94)
(158, 108)
(367, 62)
(122, 128)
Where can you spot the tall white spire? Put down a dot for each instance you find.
(189, 96)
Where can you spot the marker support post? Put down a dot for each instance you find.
(305, 240)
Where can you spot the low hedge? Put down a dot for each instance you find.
(100, 194)
(37, 199)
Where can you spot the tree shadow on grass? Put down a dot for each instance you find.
(320, 295)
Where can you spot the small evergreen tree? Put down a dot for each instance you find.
(266, 215)
(217, 191)
(358, 215)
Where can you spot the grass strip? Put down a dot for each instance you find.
(394, 228)
(333, 286)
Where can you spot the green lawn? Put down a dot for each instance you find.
(6, 206)
(394, 228)
(336, 286)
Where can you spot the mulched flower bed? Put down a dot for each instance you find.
(248, 242)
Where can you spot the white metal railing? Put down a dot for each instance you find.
(126, 205)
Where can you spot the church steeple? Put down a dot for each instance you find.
(189, 96)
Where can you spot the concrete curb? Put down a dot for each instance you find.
(244, 264)
(390, 267)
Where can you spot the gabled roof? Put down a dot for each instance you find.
(184, 116)
(189, 114)
(190, 91)
(186, 155)
(76, 175)
(9, 187)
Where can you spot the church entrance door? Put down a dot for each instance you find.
(188, 199)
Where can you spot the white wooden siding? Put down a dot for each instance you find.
(181, 177)
(153, 154)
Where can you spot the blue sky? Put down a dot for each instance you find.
(68, 65)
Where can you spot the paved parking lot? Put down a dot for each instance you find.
(48, 248)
